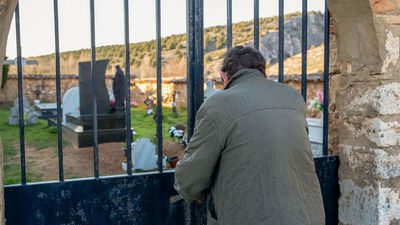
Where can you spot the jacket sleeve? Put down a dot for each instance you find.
(195, 173)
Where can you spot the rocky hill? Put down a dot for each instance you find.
(143, 55)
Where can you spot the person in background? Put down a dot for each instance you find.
(250, 152)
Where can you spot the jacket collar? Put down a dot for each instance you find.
(241, 74)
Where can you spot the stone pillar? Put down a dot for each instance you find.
(7, 8)
(367, 39)
(6, 13)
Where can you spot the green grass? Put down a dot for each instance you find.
(145, 126)
(38, 136)
(41, 136)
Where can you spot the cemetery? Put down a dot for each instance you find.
(68, 157)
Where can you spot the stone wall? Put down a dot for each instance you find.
(40, 87)
(367, 39)
(43, 88)
(6, 12)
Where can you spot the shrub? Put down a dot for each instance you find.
(5, 75)
(137, 63)
(221, 42)
(171, 44)
(53, 130)
(208, 58)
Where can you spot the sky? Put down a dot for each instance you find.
(37, 21)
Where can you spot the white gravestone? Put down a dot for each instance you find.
(210, 89)
(144, 155)
(70, 103)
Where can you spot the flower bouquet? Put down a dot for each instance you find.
(173, 132)
(317, 103)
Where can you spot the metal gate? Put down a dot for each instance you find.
(145, 198)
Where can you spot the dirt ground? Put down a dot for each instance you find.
(78, 163)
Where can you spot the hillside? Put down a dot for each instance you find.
(143, 58)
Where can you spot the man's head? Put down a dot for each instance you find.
(239, 58)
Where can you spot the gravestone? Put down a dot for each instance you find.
(144, 155)
(210, 89)
(78, 127)
(30, 116)
(70, 103)
(85, 88)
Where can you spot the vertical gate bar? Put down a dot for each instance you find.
(190, 40)
(159, 87)
(199, 49)
(281, 40)
(127, 91)
(195, 65)
(256, 24)
(229, 24)
(326, 81)
(20, 98)
(195, 71)
(58, 93)
(94, 91)
(304, 51)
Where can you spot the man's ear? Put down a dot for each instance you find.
(224, 77)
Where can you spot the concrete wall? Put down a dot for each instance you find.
(367, 40)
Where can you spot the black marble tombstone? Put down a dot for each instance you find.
(85, 88)
(78, 129)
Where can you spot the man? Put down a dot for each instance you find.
(250, 150)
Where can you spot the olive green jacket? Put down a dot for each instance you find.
(250, 149)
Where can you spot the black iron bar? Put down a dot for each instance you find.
(58, 93)
(304, 51)
(20, 98)
(256, 24)
(159, 87)
(281, 41)
(326, 81)
(94, 91)
(190, 40)
(199, 49)
(229, 24)
(195, 72)
(195, 61)
(127, 91)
